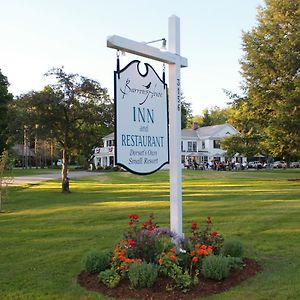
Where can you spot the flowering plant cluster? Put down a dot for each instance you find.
(168, 262)
(180, 259)
(207, 236)
(120, 260)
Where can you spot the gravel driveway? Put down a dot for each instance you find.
(50, 176)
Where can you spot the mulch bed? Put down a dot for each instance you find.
(159, 292)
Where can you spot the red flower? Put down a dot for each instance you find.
(135, 217)
(131, 243)
(172, 257)
(195, 259)
(130, 216)
(194, 225)
(130, 222)
(213, 234)
(145, 225)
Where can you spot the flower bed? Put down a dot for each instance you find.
(153, 259)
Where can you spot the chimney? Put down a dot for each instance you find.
(195, 125)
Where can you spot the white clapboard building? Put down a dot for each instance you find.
(198, 144)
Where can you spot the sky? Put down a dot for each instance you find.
(37, 35)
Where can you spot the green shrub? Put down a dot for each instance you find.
(184, 281)
(216, 267)
(235, 262)
(142, 274)
(110, 278)
(233, 247)
(96, 261)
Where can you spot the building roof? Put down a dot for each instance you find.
(202, 132)
(189, 133)
(213, 131)
(110, 136)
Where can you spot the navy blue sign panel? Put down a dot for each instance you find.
(141, 114)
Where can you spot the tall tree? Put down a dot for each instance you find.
(75, 111)
(77, 104)
(5, 99)
(271, 71)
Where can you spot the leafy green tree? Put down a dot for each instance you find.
(186, 112)
(5, 99)
(75, 111)
(271, 71)
(77, 108)
(212, 116)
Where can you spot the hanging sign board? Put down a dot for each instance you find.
(141, 120)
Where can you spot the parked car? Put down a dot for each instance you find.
(279, 164)
(295, 164)
(255, 165)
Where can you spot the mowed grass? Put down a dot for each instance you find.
(45, 234)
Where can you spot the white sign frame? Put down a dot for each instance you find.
(175, 61)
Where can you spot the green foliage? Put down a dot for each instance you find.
(96, 261)
(233, 247)
(110, 278)
(270, 111)
(186, 112)
(212, 116)
(4, 165)
(216, 267)
(142, 274)
(163, 243)
(5, 99)
(235, 262)
(169, 264)
(184, 281)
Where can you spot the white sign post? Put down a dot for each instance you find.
(175, 62)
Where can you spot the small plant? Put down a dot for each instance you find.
(207, 236)
(96, 261)
(216, 267)
(142, 274)
(184, 281)
(110, 278)
(235, 262)
(120, 260)
(197, 255)
(169, 263)
(233, 247)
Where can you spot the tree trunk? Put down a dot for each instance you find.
(64, 172)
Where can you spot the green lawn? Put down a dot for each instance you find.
(45, 234)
